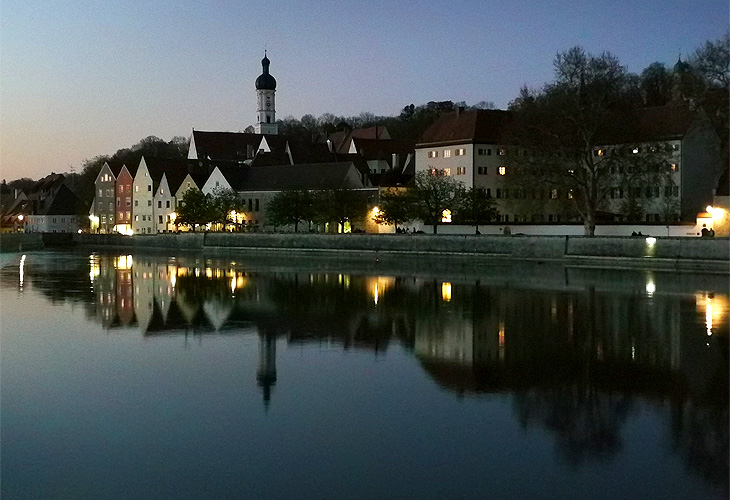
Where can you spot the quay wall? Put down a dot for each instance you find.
(601, 250)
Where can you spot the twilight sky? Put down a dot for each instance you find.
(83, 78)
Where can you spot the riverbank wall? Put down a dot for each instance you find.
(602, 251)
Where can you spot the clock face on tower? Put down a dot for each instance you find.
(268, 104)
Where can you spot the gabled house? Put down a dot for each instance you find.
(59, 212)
(103, 210)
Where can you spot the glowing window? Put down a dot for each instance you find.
(433, 154)
(502, 170)
(446, 216)
(447, 153)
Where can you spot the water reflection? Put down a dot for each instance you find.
(575, 351)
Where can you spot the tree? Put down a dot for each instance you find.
(222, 203)
(712, 62)
(559, 133)
(656, 85)
(338, 206)
(396, 206)
(290, 208)
(434, 194)
(195, 209)
(476, 208)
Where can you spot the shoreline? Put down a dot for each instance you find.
(615, 252)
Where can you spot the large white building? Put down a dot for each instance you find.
(474, 147)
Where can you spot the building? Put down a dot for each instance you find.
(475, 147)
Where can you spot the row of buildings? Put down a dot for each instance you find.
(473, 146)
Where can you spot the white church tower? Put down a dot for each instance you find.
(265, 90)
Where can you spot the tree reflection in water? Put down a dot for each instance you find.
(576, 355)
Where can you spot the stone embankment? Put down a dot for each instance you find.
(603, 251)
(705, 253)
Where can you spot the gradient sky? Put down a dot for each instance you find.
(83, 78)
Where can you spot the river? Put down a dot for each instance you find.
(194, 376)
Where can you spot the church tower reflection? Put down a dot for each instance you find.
(266, 374)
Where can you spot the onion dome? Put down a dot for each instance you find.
(265, 81)
(682, 66)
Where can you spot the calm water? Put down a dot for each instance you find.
(185, 377)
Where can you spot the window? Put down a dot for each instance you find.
(128, 202)
(149, 187)
(136, 203)
(120, 216)
(121, 188)
(136, 189)
(111, 206)
(103, 219)
(482, 170)
(149, 203)
(126, 215)
(101, 206)
(162, 191)
(446, 171)
(554, 194)
(502, 152)
(136, 218)
(505, 194)
(119, 202)
(446, 216)
(636, 150)
(101, 192)
(447, 153)
(674, 167)
(129, 188)
(499, 193)
(598, 152)
(489, 193)
(675, 147)
(460, 170)
(250, 205)
(460, 152)
(256, 206)
(159, 203)
(433, 154)
(159, 219)
(502, 170)
(167, 204)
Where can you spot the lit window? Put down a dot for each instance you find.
(502, 152)
(446, 216)
(635, 150)
(446, 171)
(460, 152)
(460, 170)
(674, 167)
(502, 170)
(433, 154)
(554, 194)
(447, 153)
(136, 189)
(599, 152)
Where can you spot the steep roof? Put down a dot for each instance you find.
(382, 149)
(64, 202)
(476, 126)
(225, 145)
(311, 176)
(658, 123)
(341, 140)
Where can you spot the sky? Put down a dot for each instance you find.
(85, 78)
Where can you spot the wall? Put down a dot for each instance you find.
(609, 251)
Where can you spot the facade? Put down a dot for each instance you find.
(143, 193)
(103, 217)
(474, 147)
(125, 180)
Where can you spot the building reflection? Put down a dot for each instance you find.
(575, 353)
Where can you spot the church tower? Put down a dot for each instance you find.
(265, 90)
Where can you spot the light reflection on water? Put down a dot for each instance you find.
(290, 383)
